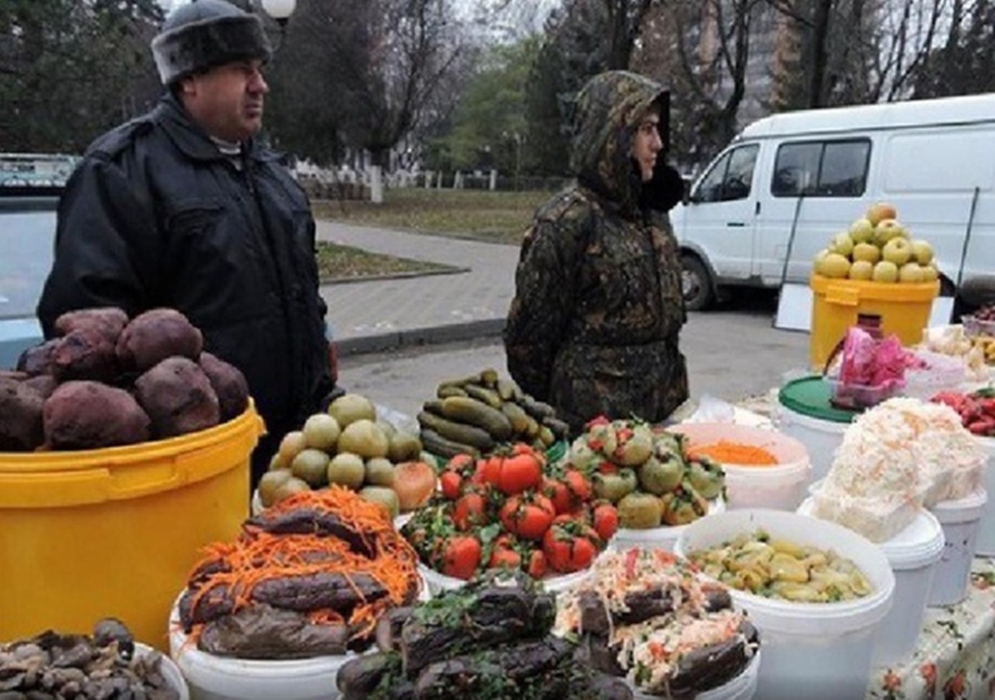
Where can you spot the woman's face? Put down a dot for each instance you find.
(647, 144)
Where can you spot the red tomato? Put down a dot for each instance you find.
(470, 510)
(566, 552)
(537, 564)
(451, 482)
(461, 557)
(578, 484)
(488, 471)
(605, 521)
(459, 463)
(527, 516)
(519, 473)
(505, 557)
(560, 495)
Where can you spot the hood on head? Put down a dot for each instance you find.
(606, 115)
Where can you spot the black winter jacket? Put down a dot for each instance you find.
(156, 216)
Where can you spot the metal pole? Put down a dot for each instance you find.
(967, 238)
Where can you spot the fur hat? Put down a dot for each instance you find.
(206, 33)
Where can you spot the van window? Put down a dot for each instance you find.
(821, 168)
(730, 177)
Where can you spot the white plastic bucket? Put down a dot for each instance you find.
(780, 487)
(811, 650)
(959, 520)
(914, 556)
(742, 687)
(168, 668)
(986, 528)
(820, 437)
(657, 537)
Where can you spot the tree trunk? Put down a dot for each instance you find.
(820, 36)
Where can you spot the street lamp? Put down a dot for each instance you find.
(280, 10)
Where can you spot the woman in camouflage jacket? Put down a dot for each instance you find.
(594, 325)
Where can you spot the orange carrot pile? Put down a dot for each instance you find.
(728, 452)
(260, 556)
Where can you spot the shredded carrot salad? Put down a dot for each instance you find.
(728, 452)
(259, 556)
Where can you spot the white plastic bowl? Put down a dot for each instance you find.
(811, 650)
(742, 687)
(960, 520)
(220, 678)
(780, 486)
(914, 556)
(170, 671)
(211, 677)
(658, 537)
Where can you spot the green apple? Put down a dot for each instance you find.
(885, 271)
(930, 273)
(862, 230)
(835, 266)
(842, 244)
(922, 251)
(897, 250)
(861, 270)
(886, 230)
(866, 251)
(818, 259)
(910, 273)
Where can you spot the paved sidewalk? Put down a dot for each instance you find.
(381, 314)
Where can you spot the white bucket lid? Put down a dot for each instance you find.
(918, 545)
(962, 510)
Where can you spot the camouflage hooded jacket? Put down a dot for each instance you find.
(593, 328)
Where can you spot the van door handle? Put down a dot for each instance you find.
(736, 224)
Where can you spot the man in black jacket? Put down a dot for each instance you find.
(184, 208)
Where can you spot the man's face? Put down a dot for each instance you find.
(227, 100)
(647, 144)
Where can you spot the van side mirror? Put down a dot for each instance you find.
(686, 194)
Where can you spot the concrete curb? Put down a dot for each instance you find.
(414, 337)
(449, 270)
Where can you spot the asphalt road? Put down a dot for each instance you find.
(732, 353)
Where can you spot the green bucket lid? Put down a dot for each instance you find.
(810, 396)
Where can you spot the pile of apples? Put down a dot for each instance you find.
(877, 248)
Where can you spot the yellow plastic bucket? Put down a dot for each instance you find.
(116, 531)
(904, 310)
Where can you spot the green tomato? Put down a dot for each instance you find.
(614, 487)
(640, 511)
(659, 477)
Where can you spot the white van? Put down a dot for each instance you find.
(790, 181)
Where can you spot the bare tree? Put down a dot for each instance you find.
(859, 51)
(411, 48)
(702, 51)
(625, 22)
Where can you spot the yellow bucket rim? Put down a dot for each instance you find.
(249, 421)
